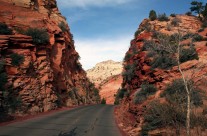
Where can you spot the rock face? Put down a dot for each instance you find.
(103, 70)
(106, 76)
(109, 87)
(131, 114)
(50, 75)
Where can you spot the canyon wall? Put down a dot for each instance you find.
(106, 76)
(50, 75)
(138, 70)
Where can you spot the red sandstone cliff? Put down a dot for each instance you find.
(51, 74)
(106, 76)
(109, 87)
(130, 114)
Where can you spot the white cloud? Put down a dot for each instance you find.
(93, 51)
(86, 3)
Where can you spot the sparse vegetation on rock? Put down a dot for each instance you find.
(62, 26)
(175, 21)
(16, 59)
(173, 15)
(4, 29)
(128, 74)
(39, 36)
(3, 76)
(146, 90)
(162, 17)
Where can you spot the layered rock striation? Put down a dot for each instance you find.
(50, 74)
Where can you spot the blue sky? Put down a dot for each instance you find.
(102, 29)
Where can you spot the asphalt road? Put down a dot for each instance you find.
(94, 120)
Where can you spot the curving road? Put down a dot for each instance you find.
(95, 120)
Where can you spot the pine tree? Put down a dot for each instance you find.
(152, 15)
(204, 13)
(197, 7)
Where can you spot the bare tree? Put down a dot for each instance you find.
(171, 46)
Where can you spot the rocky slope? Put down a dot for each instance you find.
(106, 76)
(138, 70)
(103, 70)
(109, 87)
(50, 75)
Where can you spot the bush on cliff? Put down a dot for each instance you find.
(3, 80)
(3, 76)
(175, 93)
(175, 21)
(4, 30)
(197, 38)
(146, 90)
(172, 113)
(187, 54)
(164, 51)
(129, 72)
(173, 15)
(121, 93)
(162, 17)
(62, 26)
(39, 36)
(16, 59)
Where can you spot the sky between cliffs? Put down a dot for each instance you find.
(103, 29)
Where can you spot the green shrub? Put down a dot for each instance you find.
(62, 26)
(187, 54)
(187, 36)
(163, 62)
(163, 17)
(197, 38)
(121, 93)
(129, 72)
(137, 33)
(4, 30)
(176, 93)
(127, 56)
(157, 34)
(16, 59)
(96, 92)
(147, 27)
(2, 63)
(152, 15)
(173, 15)
(204, 24)
(188, 13)
(3, 80)
(201, 30)
(39, 36)
(147, 45)
(162, 115)
(103, 101)
(146, 90)
(169, 28)
(175, 21)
